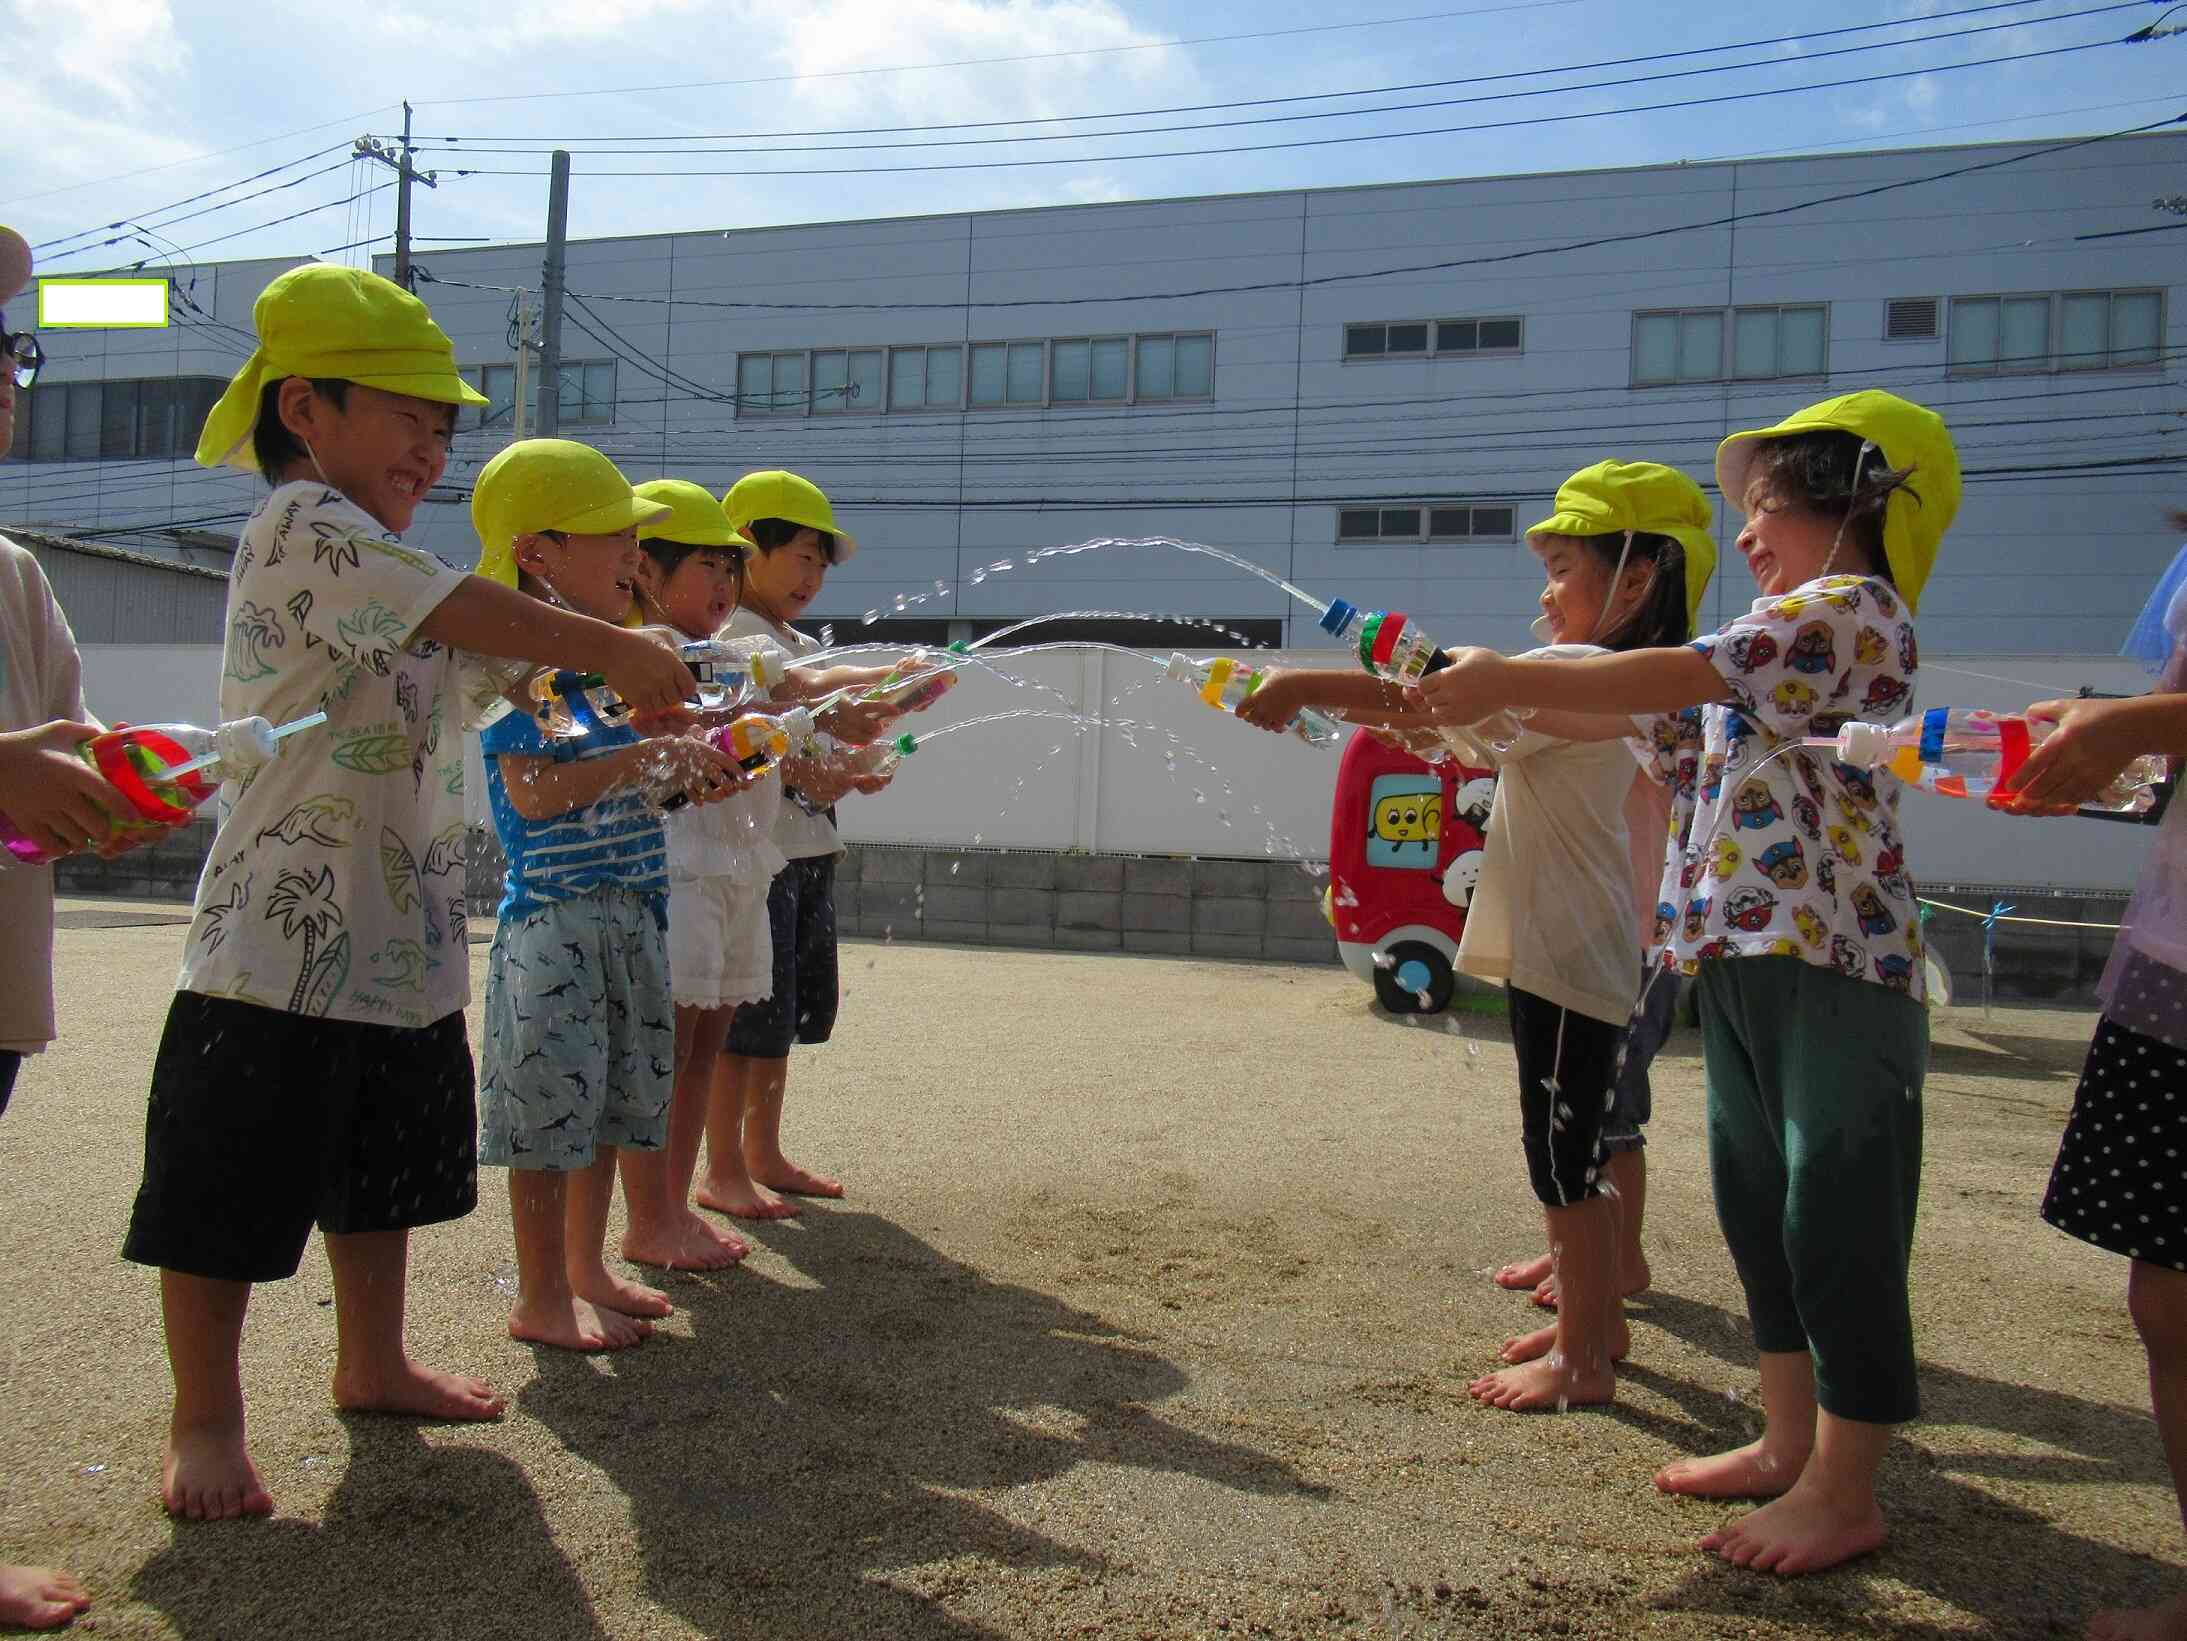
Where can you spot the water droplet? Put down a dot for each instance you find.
(955, 867)
(1198, 796)
(91, 1470)
(940, 587)
(976, 839)
(978, 576)
(869, 618)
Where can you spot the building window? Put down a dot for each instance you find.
(2067, 330)
(771, 384)
(1069, 370)
(926, 378)
(1430, 521)
(1443, 338)
(1730, 344)
(1181, 366)
(152, 418)
(1088, 370)
(587, 396)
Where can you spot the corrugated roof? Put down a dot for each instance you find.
(99, 549)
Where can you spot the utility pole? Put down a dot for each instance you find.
(527, 342)
(398, 160)
(551, 280)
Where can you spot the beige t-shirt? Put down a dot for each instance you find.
(1553, 912)
(41, 679)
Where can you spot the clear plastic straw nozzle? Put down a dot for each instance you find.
(310, 720)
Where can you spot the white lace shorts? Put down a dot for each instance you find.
(719, 950)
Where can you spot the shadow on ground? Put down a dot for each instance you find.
(2007, 1576)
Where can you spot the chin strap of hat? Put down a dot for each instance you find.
(1867, 447)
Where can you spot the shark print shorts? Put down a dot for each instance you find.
(580, 1033)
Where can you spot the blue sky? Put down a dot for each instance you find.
(136, 104)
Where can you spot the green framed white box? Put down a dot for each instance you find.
(102, 304)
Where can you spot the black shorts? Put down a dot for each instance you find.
(264, 1122)
(1634, 1103)
(1567, 1083)
(801, 917)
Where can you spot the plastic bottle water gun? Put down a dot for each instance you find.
(913, 684)
(726, 671)
(893, 753)
(166, 771)
(567, 704)
(759, 741)
(1962, 752)
(1390, 646)
(1222, 683)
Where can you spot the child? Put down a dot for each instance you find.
(2140, 1045)
(1625, 556)
(1786, 895)
(314, 1065)
(793, 532)
(580, 1047)
(721, 860)
(56, 800)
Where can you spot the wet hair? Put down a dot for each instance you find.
(768, 534)
(1659, 618)
(668, 555)
(1814, 472)
(274, 445)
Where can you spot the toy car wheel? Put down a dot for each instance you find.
(1416, 980)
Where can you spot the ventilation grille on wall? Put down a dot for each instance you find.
(1910, 319)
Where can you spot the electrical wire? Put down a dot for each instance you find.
(685, 146)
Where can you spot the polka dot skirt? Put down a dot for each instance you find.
(2118, 1181)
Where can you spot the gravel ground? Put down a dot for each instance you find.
(1149, 1313)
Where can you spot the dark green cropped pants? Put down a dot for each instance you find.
(1814, 1086)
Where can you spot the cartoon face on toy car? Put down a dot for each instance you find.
(1410, 817)
(1462, 877)
(1784, 863)
(1755, 807)
(1748, 908)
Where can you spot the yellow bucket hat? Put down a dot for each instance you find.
(345, 323)
(1611, 497)
(550, 484)
(779, 495)
(1910, 436)
(694, 517)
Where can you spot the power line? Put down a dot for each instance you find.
(1592, 243)
(684, 144)
(1320, 142)
(350, 120)
(143, 217)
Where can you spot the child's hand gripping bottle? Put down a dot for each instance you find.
(914, 684)
(1961, 752)
(728, 672)
(1222, 683)
(884, 758)
(1390, 646)
(567, 704)
(166, 771)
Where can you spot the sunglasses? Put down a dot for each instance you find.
(23, 348)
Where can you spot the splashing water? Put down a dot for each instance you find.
(1100, 543)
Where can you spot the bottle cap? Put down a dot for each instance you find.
(905, 745)
(1179, 668)
(245, 744)
(1337, 617)
(1864, 745)
(797, 723)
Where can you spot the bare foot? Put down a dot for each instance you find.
(1525, 1273)
(416, 1391)
(1803, 1532)
(39, 1598)
(206, 1474)
(786, 1176)
(1531, 1347)
(1751, 1472)
(2165, 1622)
(577, 1325)
(688, 1243)
(608, 1291)
(1550, 1382)
(1630, 1282)
(743, 1199)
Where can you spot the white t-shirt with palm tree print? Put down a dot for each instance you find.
(335, 883)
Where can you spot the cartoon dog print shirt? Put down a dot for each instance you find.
(335, 885)
(1799, 856)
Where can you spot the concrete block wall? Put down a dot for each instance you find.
(1165, 904)
(1184, 907)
